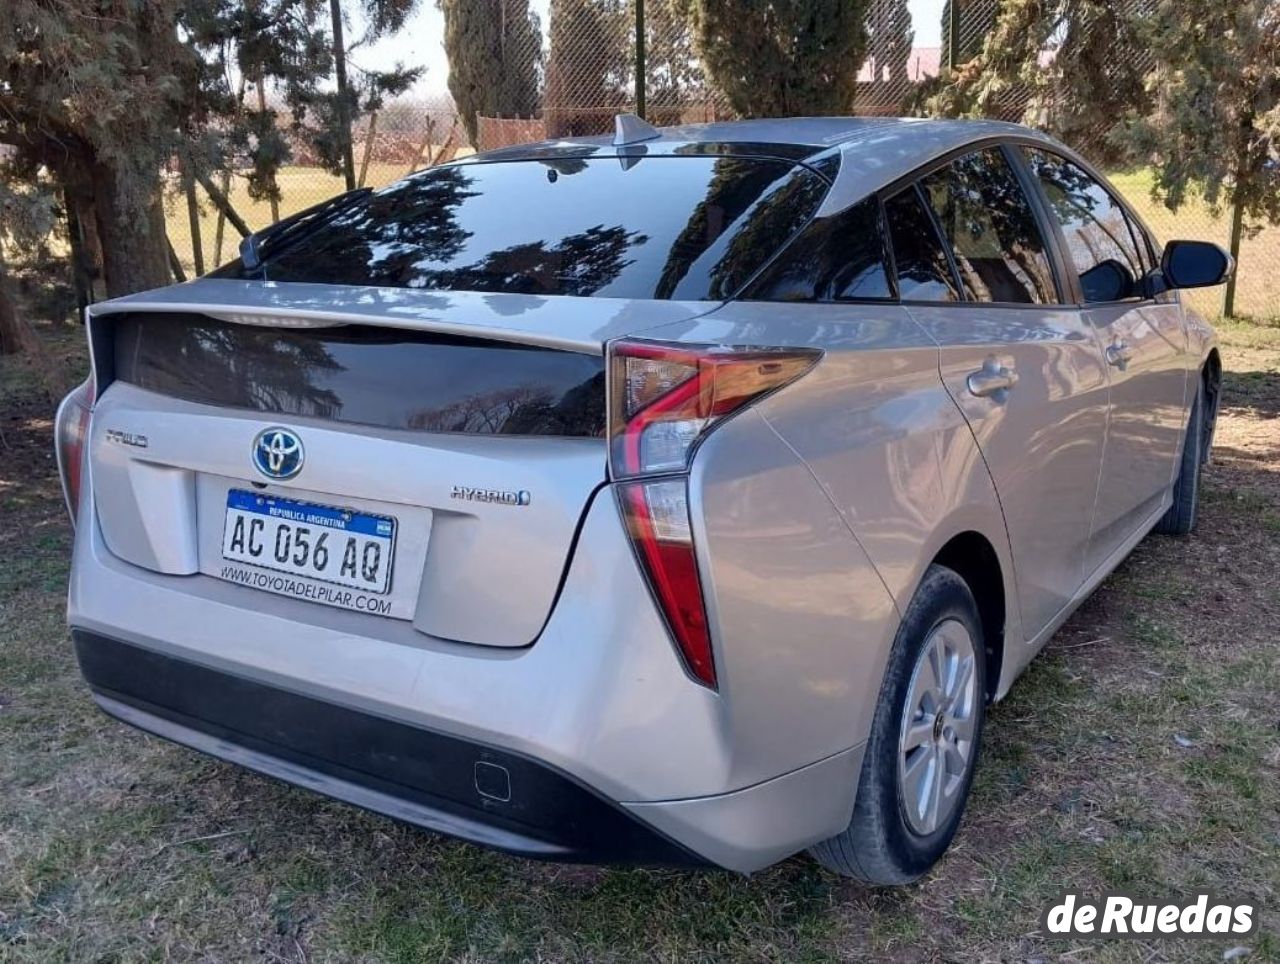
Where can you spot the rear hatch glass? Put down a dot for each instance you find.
(672, 227)
(365, 374)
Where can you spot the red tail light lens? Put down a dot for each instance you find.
(657, 518)
(663, 399)
(71, 429)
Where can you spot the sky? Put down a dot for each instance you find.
(421, 42)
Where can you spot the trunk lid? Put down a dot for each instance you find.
(472, 423)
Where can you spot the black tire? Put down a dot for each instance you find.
(1181, 517)
(879, 847)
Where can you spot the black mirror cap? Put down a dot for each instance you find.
(1195, 264)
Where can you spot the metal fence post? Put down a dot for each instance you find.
(1237, 230)
(640, 59)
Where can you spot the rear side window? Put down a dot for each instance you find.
(383, 377)
(691, 228)
(837, 258)
(992, 232)
(1100, 239)
(924, 273)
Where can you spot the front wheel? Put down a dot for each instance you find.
(920, 758)
(1181, 517)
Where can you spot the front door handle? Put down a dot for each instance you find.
(1119, 355)
(992, 380)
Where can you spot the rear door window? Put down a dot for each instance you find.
(923, 271)
(1101, 242)
(991, 229)
(691, 228)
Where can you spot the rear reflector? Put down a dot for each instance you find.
(71, 428)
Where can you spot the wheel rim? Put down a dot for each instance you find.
(935, 746)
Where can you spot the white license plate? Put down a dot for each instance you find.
(321, 542)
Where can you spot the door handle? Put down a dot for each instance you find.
(1119, 355)
(992, 380)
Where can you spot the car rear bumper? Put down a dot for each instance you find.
(443, 783)
(600, 702)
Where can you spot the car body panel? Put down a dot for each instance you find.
(876, 426)
(1042, 439)
(584, 701)
(470, 571)
(800, 616)
(1148, 415)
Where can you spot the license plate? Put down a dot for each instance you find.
(321, 542)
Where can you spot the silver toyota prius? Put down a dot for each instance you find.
(680, 497)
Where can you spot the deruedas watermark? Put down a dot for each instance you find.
(1124, 915)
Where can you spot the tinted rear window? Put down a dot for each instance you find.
(924, 273)
(369, 375)
(692, 228)
(837, 258)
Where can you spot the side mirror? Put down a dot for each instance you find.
(1106, 281)
(1195, 264)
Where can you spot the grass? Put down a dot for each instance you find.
(1258, 286)
(1140, 752)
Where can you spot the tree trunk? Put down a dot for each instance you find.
(133, 248)
(15, 336)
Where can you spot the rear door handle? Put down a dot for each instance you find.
(992, 380)
(1119, 354)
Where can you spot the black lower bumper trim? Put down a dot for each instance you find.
(441, 782)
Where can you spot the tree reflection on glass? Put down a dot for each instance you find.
(992, 232)
(521, 410)
(619, 227)
(580, 264)
(1103, 245)
(386, 240)
(238, 365)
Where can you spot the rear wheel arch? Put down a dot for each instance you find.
(974, 559)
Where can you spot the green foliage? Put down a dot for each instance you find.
(27, 213)
(673, 76)
(590, 67)
(977, 20)
(1215, 87)
(495, 54)
(103, 95)
(774, 58)
(1078, 62)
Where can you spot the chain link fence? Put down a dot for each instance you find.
(581, 56)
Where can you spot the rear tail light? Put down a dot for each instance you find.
(71, 428)
(663, 400)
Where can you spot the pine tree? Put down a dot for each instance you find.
(590, 66)
(977, 20)
(1077, 66)
(495, 58)
(1214, 124)
(773, 58)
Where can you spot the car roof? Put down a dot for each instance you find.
(873, 151)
